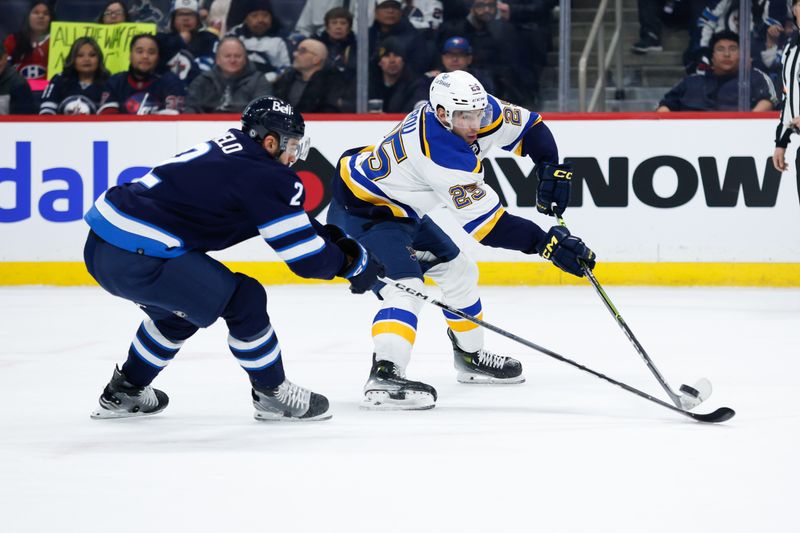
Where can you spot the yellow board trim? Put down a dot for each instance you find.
(537, 273)
(395, 328)
(463, 325)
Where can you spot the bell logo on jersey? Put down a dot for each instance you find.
(286, 109)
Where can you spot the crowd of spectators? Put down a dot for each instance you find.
(711, 56)
(213, 56)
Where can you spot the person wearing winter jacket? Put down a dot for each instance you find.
(230, 85)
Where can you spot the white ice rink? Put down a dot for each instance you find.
(564, 452)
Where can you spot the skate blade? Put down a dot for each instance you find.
(101, 413)
(263, 416)
(382, 401)
(481, 379)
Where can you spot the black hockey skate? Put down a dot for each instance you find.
(122, 399)
(291, 403)
(388, 389)
(484, 367)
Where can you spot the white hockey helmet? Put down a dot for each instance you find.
(463, 98)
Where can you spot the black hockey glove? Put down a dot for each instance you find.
(362, 268)
(566, 251)
(554, 185)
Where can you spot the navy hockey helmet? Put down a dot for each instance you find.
(270, 115)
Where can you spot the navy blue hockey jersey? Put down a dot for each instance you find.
(125, 94)
(65, 95)
(215, 195)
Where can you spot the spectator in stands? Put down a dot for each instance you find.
(308, 85)
(533, 20)
(230, 85)
(312, 19)
(149, 11)
(425, 15)
(266, 50)
(771, 31)
(390, 22)
(723, 15)
(186, 49)
(457, 55)
(16, 97)
(28, 48)
(649, 27)
(77, 89)
(114, 12)
(141, 90)
(718, 88)
(498, 51)
(454, 10)
(394, 83)
(340, 41)
(230, 13)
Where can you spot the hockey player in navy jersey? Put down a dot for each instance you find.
(382, 194)
(148, 244)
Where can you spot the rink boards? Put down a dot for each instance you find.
(680, 201)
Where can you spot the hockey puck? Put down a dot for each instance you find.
(690, 391)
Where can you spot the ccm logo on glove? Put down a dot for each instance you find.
(548, 249)
(564, 174)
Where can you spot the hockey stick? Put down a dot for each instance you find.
(689, 396)
(720, 415)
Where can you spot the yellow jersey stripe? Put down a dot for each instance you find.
(361, 194)
(426, 149)
(494, 125)
(484, 230)
(464, 325)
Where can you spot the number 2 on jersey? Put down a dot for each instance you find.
(296, 198)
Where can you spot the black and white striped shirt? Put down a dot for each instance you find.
(791, 91)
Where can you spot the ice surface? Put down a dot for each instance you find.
(563, 452)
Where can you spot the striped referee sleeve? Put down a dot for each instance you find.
(791, 92)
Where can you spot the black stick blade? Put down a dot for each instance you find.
(720, 415)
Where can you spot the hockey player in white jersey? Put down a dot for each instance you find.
(382, 194)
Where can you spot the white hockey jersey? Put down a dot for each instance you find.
(420, 165)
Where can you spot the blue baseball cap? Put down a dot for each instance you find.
(457, 44)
